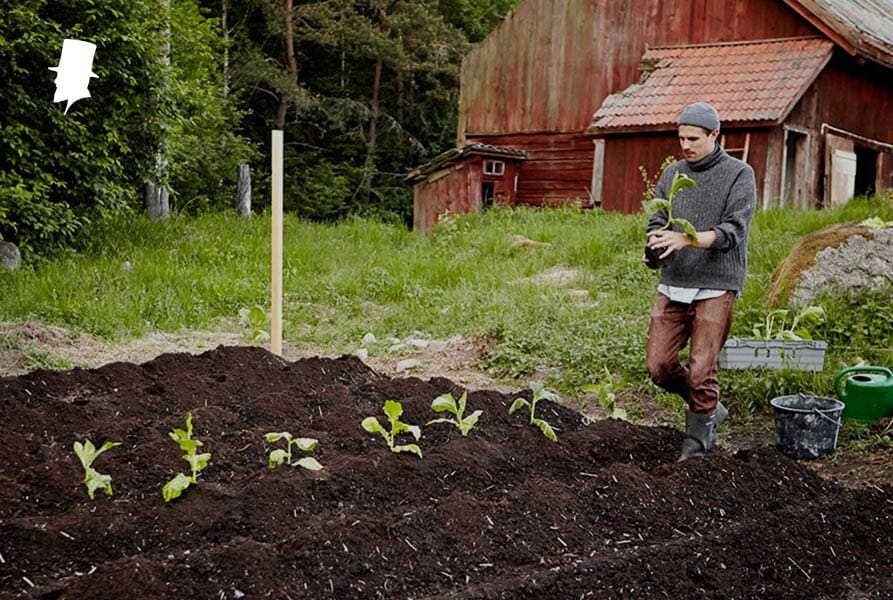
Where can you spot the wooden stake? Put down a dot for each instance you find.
(276, 243)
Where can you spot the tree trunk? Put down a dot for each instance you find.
(156, 196)
(224, 9)
(156, 199)
(374, 106)
(288, 40)
(243, 191)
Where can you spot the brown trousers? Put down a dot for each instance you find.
(704, 324)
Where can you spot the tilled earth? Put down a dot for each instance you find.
(605, 512)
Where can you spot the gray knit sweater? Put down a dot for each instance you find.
(724, 201)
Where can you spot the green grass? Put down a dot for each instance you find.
(344, 280)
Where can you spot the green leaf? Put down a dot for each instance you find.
(408, 448)
(414, 430)
(176, 486)
(463, 399)
(655, 204)
(518, 403)
(469, 422)
(95, 481)
(277, 457)
(680, 182)
(198, 461)
(546, 429)
(450, 421)
(393, 409)
(309, 462)
(372, 425)
(307, 444)
(275, 437)
(688, 228)
(445, 402)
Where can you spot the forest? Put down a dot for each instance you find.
(187, 90)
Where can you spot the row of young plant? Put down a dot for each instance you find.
(87, 452)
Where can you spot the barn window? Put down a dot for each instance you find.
(494, 167)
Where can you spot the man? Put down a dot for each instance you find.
(698, 287)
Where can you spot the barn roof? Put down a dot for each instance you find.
(455, 154)
(861, 27)
(752, 82)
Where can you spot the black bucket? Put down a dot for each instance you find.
(806, 427)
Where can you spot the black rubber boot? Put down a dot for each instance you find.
(701, 431)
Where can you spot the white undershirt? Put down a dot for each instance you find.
(688, 295)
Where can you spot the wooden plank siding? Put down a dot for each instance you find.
(624, 188)
(551, 63)
(557, 170)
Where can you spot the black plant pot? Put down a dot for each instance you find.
(654, 260)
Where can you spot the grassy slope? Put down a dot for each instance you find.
(344, 280)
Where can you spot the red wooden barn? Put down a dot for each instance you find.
(585, 92)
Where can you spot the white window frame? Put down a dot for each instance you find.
(494, 167)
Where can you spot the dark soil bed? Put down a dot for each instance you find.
(504, 513)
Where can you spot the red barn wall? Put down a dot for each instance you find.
(623, 187)
(558, 167)
(550, 64)
(450, 190)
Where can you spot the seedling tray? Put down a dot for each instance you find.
(802, 355)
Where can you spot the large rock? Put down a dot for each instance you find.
(10, 257)
(843, 258)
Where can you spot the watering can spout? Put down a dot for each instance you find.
(867, 392)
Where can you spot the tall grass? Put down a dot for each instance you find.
(344, 280)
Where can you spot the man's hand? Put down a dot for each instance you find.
(668, 241)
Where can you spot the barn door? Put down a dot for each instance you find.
(840, 169)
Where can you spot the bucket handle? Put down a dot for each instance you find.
(821, 414)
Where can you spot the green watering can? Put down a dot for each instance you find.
(868, 394)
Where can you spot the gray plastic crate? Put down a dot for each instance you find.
(802, 355)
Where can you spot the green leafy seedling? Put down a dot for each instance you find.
(539, 393)
(93, 479)
(774, 326)
(680, 182)
(255, 320)
(197, 462)
(394, 410)
(607, 395)
(280, 456)
(446, 403)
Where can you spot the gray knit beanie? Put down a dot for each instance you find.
(700, 114)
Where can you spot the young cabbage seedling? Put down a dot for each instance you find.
(93, 479)
(680, 182)
(446, 403)
(280, 456)
(393, 410)
(773, 327)
(607, 395)
(539, 393)
(197, 462)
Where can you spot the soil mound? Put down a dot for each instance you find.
(503, 513)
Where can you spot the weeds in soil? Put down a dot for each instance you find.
(197, 462)
(446, 403)
(606, 392)
(93, 479)
(41, 359)
(393, 410)
(256, 324)
(539, 393)
(280, 456)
